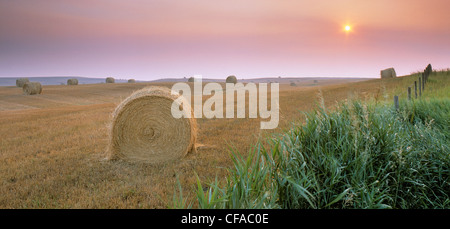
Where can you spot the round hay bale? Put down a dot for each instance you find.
(131, 81)
(32, 88)
(21, 81)
(293, 84)
(388, 73)
(191, 79)
(72, 82)
(231, 79)
(110, 80)
(144, 130)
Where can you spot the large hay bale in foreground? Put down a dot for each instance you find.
(110, 80)
(21, 81)
(72, 81)
(32, 88)
(388, 73)
(143, 128)
(231, 79)
(131, 81)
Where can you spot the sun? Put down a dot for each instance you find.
(347, 28)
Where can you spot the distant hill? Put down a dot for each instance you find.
(267, 80)
(62, 80)
(57, 80)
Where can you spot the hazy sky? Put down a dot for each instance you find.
(151, 39)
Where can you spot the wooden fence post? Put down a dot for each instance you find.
(396, 102)
(409, 93)
(415, 89)
(420, 88)
(423, 83)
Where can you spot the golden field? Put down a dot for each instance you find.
(53, 145)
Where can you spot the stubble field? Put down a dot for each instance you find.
(53, 145)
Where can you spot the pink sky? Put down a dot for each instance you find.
(152, 39)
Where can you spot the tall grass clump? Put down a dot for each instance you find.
(359, 156)
(246, 186)
(364, 156)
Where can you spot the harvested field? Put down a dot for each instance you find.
(64, 164)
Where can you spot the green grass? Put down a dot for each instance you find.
(436, 87)
(365, 157)
(361, 155)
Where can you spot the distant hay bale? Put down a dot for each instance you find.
(191, 79)
(293, 84)
(131, 81)
(388, 73)
(21, 81)
(316, 81)
(32, 88)
(231, 79)
(110, 80)
(72, 81)
(143, 128)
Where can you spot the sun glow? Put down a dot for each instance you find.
(347, 28)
